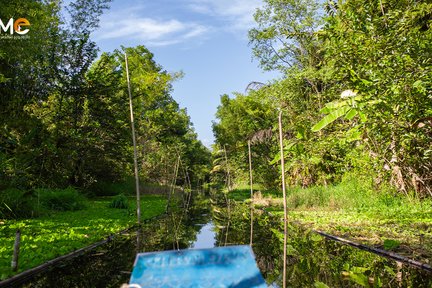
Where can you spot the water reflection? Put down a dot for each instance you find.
(111, 264)
(312, 260)
(205, 237)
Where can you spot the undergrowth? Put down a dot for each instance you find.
(120, 202)
(61, 232)
(18, 204)
(126, 187)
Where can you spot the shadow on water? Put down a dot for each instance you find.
(313, 261)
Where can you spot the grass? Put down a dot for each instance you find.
(354, 209)
(61, 232)
(243, 193)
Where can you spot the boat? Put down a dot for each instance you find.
(229, 266)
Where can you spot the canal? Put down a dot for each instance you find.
(313, 261)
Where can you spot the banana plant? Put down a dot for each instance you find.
(349, 107)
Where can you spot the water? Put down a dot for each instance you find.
(312, 260)
(206, 237)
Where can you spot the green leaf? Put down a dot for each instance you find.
(351, 114)
(216, 168)
(353, 134)
(335, 104)
(419, 86)
(319, 284)
(291, 251)
(330, 118)
(316, 238)
(276, 159)
(362, 116)
(360, 279)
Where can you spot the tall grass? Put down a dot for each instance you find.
(119, 202)
(356, 193)
(349, 193)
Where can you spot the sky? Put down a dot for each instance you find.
(205, 39)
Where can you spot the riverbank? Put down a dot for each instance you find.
(354, 211)
(61, 232)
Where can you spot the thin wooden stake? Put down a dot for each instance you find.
(284, 199)
(134, 145)
(172, 188)
(16, 250)
(251, 193)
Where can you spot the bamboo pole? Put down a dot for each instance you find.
(251, 193)
(228, 172)
(134, 145)
(284, 199)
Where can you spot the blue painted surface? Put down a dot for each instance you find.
(232, 266)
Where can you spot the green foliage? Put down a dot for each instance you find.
(390, 75)
(104, 188)
(350, 193)
(61, 232)
(64, 113)
(242, 194)
(354, 97)
(68, 199)
(390, 244)
(319, 284)
(284, 35)
(120, 202)
(15, 203)
(126, 187)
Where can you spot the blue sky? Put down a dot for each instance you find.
(205, 39)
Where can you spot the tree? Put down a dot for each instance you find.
(285, 36)
(381, 51)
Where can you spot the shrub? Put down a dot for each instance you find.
(15, 203)
(120, 202)
(126, 187)
(68, 199)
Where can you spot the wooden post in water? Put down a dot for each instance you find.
(16, 250)
(284, 199)
(134, 145)
(251, 192)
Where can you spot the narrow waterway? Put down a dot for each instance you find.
(206, 237)
(313, 261)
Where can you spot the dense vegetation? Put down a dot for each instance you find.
(356, 100)
(64, 110)
(355, 95)
(60, 232)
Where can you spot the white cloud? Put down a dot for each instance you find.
(238, 13)
(155, 32)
